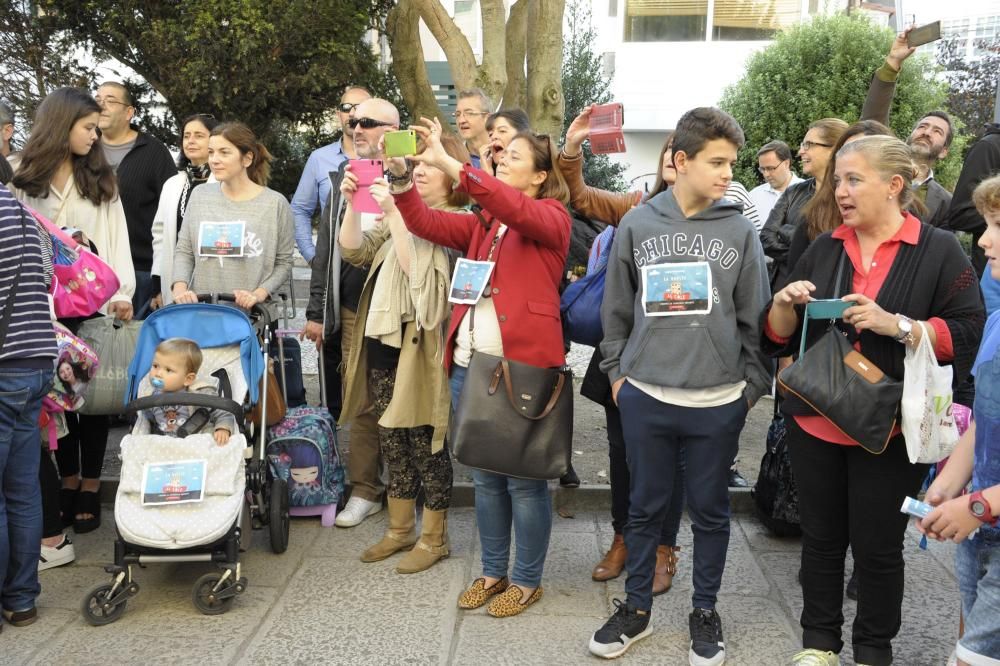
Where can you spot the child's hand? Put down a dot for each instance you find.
(951, 520)
(221, 436)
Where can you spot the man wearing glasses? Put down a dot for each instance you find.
(143, 165)
(774, 162)
(334, 292)
(313, 191)
(470, 118)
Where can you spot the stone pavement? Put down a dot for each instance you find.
(317, 603)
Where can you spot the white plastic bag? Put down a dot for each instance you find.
(928, 424)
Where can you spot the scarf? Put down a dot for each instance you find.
(196, 175)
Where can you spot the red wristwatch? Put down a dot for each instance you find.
(981, 509)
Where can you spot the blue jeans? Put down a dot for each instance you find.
(505, 500)
(977, 565)
(21, 393)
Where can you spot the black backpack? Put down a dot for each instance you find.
(775, 494)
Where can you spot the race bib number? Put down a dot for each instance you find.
(221, 239)
(469, 281)
(677, 289)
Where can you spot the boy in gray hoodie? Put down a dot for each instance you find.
(685, 287)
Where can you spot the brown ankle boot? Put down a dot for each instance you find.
(432, 546)
(666, 568)
(614, 561)
(400, 535)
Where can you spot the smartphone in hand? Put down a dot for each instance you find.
(401, 143)
(829, 308)
(606, 122)
(366, 171)
(925, 34)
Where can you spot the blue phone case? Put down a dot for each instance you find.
(832, 308)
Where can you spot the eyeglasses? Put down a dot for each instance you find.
(367, 123)
(107, 101)
(766, 170)
(347, 107)
(809, 145)
(468, 114)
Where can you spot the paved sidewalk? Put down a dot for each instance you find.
(317, 603)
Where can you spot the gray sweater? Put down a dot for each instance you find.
(267, 243)
(688, 347)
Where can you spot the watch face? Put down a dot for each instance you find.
(905, 327)
(978, 508)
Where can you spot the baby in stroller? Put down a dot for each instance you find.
(175, 369)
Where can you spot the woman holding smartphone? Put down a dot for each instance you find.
(523, 228)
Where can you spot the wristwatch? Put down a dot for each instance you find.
(905, 335)
(981, 509)
(402, 178)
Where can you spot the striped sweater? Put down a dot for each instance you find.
(30, 334)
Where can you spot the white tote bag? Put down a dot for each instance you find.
(928, 424)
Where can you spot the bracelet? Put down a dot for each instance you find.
(406, 176)
(400, 188)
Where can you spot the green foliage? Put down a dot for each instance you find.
(972, 82)
(822, 69)
(584, 83)
(275, 65)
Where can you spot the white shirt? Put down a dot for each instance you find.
(764, 196)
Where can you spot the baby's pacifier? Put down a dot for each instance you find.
(156, 382)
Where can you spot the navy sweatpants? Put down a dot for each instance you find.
(656, 434)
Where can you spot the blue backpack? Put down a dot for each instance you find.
(303, 451)
(580, 305)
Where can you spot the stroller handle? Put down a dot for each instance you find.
(192, 399)
(258, 313)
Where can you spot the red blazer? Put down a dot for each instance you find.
(530, 258)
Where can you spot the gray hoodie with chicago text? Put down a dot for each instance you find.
(683, 298)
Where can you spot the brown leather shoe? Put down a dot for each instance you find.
(613, 563)
(666, 568)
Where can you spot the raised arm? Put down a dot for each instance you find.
(883, 86)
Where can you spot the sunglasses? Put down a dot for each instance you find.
(347, 107)
(367, 123)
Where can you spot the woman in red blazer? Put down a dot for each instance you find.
(520, 223)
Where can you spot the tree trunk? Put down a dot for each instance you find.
(403, 28)
(544, 53)
(461, 59)
(516, 93)
(492, 74)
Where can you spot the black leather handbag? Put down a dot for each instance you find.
(514, 419)
(843, 386)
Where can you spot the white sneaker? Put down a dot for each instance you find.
(357, 509)
(56, 556)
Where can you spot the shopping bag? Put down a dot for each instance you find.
(928, 421)
(114, 341)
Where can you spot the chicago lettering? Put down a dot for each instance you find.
(680, 244)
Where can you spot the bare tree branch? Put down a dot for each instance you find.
(403, 28)
(545, 99)
(515, 95)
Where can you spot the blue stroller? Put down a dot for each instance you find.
(233, 487)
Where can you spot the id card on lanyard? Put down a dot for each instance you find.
(471, 278)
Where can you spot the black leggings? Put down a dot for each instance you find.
(48, 480)
(82, 450)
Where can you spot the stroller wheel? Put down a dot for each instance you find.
(207, 599)
(278, 514)
(97, 610)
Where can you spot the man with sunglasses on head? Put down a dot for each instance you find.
(314, 186)
(471, 111)
(142, 165)
(334, 293)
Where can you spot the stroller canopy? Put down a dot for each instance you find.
(207, 324)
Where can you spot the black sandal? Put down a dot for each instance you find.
(67, 505)
(87, 501)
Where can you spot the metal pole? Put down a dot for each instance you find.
(996, 104)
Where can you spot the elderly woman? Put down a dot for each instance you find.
(897, 272)
(238, 235)
(394, 363)
(524, 229)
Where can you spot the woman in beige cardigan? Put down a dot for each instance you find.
(395, 366)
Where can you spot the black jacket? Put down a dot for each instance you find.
(333, 283)
(141, 176)
(930, 279)
(982, 161)
(785, 218)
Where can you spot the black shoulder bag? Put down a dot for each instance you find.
(843, 386)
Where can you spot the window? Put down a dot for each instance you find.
(665, 20)
(752, 20)
(687, 20)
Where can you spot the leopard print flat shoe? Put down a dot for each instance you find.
(478, 594)
(509, 603)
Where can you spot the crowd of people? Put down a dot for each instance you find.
(704, 297)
